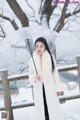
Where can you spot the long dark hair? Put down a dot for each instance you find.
(43, 40)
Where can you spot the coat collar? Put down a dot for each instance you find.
(43, 55)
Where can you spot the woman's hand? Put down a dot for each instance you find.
(37, 77)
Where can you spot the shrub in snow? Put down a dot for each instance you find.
(72, 85)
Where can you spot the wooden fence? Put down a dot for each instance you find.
(5, 79)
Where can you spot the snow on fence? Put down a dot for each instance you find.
(5, 79)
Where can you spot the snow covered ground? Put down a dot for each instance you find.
(70, 109)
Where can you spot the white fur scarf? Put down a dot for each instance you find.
(43, 64)
(44, 67)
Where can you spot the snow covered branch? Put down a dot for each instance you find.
(60, 23)
(74, 13)
(4, 35)
(19, 12)
(13, 23)
(33, 11)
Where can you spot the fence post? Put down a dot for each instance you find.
(6, 93)
(78, 62)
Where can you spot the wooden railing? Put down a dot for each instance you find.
(5, 79)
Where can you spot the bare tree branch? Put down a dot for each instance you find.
(41, 4)
(62, 59)
(60, 23)
(32, 10)
(4, 35)
(11, 21)
(18, 47)
(69, 14)
(24, 69)
(66, 16)
(18, 12)
(48, 8)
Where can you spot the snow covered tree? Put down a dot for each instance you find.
(45, 11)
(50, 14)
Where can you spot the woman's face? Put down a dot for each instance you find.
(40, 48)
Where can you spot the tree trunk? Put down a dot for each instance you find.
(46, 12)
(18, 12)
(61, 22)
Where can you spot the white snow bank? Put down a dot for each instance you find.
(15, 47)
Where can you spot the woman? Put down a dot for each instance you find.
(46, 101)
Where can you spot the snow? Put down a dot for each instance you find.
(18, 75)
(75, 72)
(15, 47)
(67, 48)
(68, 66)
(70, 48)
(70, 109)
